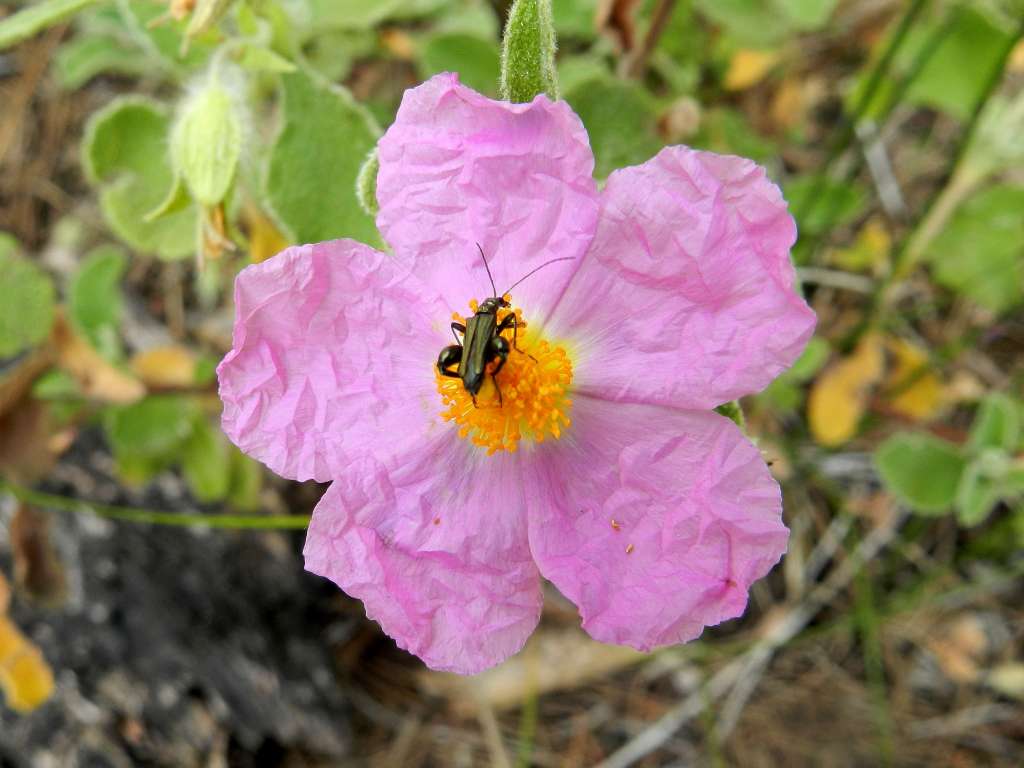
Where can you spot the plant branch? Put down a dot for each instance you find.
(635, 63)
(153, 517)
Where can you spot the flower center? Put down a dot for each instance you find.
(525, 399)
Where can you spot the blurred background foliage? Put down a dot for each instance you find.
(148, 151)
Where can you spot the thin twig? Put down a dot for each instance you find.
(492, 733)
(635, 64)
(153, 517)
(833, 278)
(880, 167)
(658, 733)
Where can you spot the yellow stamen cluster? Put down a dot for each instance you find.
(533, 383)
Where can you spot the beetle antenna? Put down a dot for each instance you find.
(538, 269)
(489, 275)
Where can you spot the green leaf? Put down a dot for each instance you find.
(366, 183)
(755, 23)
(837, 203)
(476, 60)
(55, 384)
(152, 429)
(806, 15)
(981, 251)
(363, 15)
(728, 131)
(573, 71)
(246, 481)
(333, 53)
(785, 393)
(26, 309)
(921, 470)
(977, 495)
(996, 425)
(205, 371)
(956, 73)
(37, 17)
(206, 462)
(82, 58)
(94, 298)
(256, 58)
(124, 153)
(315, 160)
(177, 199)
(811, 360)
(574, 18)
(165, 41)
(528, 52)
(620, 119)
(734, 412)
(9, 245)
(681, 51)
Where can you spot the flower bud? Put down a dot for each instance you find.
(206, 143)
(528, 52)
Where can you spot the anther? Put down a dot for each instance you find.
(532, 401)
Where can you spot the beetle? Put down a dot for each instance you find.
(482, 343)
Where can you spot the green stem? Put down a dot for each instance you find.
(894, 98)
(527, 731)
(635, 65)
(37, 17)
(875, 80)
(959, 188)
(868, 624)
(948, 197)
(153, 517)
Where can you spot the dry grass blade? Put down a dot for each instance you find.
(657, 734)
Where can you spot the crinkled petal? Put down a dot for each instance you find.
(654, 521)
(333, 356)
(457, 169)
(436, 548)
(686, 296)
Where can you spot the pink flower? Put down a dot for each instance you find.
(604, 468)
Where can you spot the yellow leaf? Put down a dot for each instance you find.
(5, 595)
(748, 67)
(787, 108)
(398, 43)
(870, 251)
(1016, 62)
(25, 677)
(265, 240)
(165, 367)
(839, 397)
(916, 392)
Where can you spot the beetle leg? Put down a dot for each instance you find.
(461, 329)
(510, 321)
(499, 351)
(449, 356)
(500, 402)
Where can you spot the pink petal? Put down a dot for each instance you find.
(457, 169)
(436, 548)
(686, 295)
(333, 357)
(654, 521)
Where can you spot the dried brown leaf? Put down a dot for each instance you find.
(97, 379)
